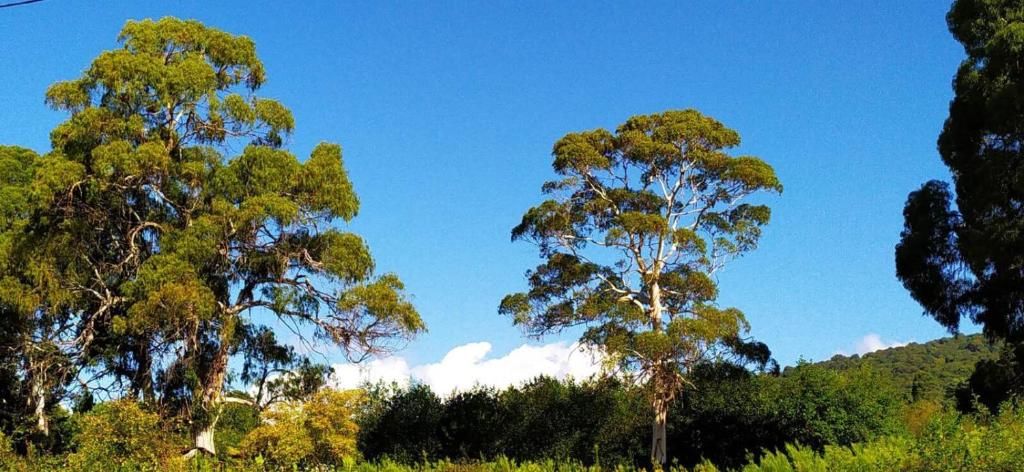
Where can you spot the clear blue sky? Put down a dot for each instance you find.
(447, 113)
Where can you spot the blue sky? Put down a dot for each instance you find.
(447, 112)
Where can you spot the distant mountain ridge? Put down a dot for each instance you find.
(926, 370)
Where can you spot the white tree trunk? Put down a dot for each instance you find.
(659, 434)
(204, 440)
(42, 423)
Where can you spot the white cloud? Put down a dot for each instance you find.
(870, 343)
(387, 370)
(467, 366)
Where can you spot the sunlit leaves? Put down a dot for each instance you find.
(167, 293)
(17, 167)
(383, 299)
(577, 153)
(323, 184)
(343, 255)
(55, 178)
(121, 160)
(751, 174)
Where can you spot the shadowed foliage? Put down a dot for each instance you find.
(962, 247)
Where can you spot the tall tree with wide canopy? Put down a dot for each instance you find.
(966, 260)
(149, 254)
(637, 226)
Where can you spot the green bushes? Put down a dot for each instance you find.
(589, 422)
(9, 460)
(319, 431)
(729, 413)
(120, 436)
(726, 415)
(950, 442)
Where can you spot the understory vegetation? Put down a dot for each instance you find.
(808, 418)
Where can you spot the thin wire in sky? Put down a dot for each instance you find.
(15, 4)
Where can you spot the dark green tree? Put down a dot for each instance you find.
(638, 224)
(406, 429)
(961, 253)
(168, 217)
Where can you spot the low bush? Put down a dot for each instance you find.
(121, 436)
(320, 431)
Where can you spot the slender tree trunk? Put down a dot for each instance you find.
(660, 403)
(659, 436)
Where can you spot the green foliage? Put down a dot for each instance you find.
(406, 428)
(834, 408)
(9, 460)
(950, 442)
(959, 253)
(121, 436)
(725, 416)
(729, 414)
(236, 421)
(320, 431)
(143, 245)
(636, 226)
(591, 422)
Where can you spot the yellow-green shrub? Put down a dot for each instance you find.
(321, 430)
(121, 436)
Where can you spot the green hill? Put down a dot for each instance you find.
(927, 370)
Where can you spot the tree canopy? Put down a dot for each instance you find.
(169, 221)
(639, 222)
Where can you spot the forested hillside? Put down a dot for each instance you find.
(925, 370)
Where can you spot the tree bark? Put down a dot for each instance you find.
(204, 439)
(659, 433)
(658, 430)
(211, 400)
(42, 422)
(38, 394)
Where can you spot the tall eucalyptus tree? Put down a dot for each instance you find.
(636, 228)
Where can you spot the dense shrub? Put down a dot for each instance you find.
(729, 413)
(473, 424)
(819, 406)
(9, 460)
(598, 421)
(120, 435)
(320, 431)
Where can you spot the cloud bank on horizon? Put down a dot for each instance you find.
(467, 366)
